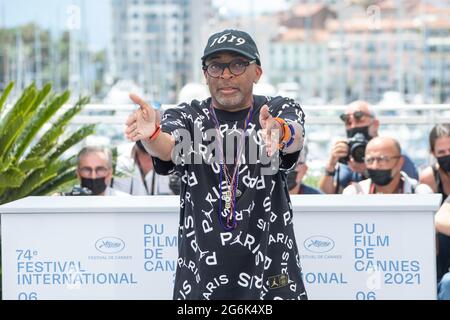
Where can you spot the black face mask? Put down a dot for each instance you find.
(364, 130)
(97, 186)
(380, 177)
(444, 163)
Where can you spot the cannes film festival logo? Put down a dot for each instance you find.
(319, 244)
(110, 245)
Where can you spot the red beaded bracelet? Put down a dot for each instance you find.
(155, 134)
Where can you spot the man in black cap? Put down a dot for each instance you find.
(236, 237)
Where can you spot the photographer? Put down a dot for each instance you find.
(94, 170)
(139, 177)
(384, 162)
(346, 162)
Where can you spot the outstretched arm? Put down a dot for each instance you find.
(143, 124)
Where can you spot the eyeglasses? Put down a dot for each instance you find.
(99, 171)
(357, 115)
(380, 159)
(236, 67)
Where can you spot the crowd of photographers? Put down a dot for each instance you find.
(363, 163)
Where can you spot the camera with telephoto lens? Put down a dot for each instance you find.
(357, 149)
(78, 191)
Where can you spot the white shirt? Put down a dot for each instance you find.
(113, 192)
(410, 185)
(132, 183)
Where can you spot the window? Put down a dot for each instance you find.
(153, 28)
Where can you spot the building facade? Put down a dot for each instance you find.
(155, 43)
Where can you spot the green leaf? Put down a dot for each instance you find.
(75, 138)
(16, 109)
(16, 119)
(11, 178)
(32, 182)
(40, 118)
(66, 172)
(70, 177)
(40, 170)
(49, 140)
(5, 163)
(31, 164)
(5, 96)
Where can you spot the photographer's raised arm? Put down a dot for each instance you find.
(340, 150)
(143, 124)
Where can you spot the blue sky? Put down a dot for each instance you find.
(54, 14)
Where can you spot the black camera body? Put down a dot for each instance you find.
(78, 191)
(357, 149)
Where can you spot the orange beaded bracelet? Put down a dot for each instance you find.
(286, 137)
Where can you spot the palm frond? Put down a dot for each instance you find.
(31, 164)
(49, 140)
(41, 170)
(32, 182)
(69, 177)
(16, 119)
(40, 118)
(6, 161)
(5, 96)
(75, 138)
(13, 177)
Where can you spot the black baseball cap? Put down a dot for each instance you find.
(236, 41)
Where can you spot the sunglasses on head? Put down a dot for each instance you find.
(357, 115)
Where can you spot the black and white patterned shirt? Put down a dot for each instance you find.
(259, 259)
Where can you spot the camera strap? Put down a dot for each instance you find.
(144, 181)
(336, 191)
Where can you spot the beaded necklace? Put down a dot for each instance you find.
(232, 181)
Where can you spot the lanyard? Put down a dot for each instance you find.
(232, 180)
(142, 175)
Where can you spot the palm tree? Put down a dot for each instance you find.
(32, 161)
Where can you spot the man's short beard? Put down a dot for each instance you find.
(236, 101)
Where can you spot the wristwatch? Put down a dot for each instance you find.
(330, 173)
